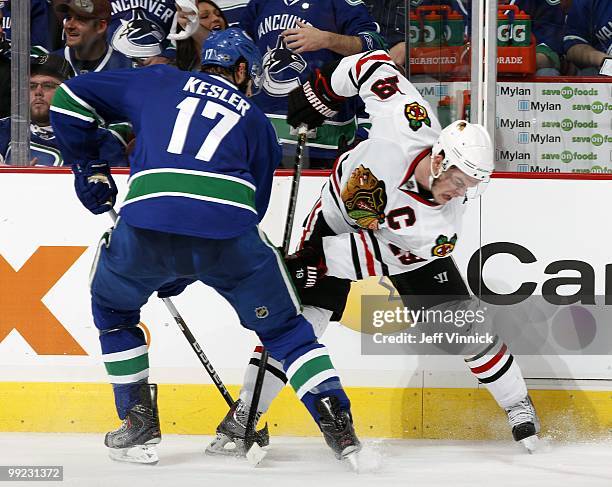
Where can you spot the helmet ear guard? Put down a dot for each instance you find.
(468, 147)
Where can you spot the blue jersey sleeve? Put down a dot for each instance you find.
(263, 161)
(112, 149)
(353, 19)
(578, 24)
(89, 101)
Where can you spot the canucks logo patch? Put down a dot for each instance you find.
(365, 198)
(444, 246)
(138, 36)
(416, 115)
(282, 68)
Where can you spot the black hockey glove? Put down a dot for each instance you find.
(314, 101)
(306, 267)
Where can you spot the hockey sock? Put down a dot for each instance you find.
(274, 381)
(496, 368)
(312, 375)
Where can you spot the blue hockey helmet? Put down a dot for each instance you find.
(226, 47)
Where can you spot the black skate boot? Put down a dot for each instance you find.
(337, 428)
(134, 440)
(525, 424)
(232, 430)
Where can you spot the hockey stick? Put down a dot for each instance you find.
(191, 339)
(254, 453)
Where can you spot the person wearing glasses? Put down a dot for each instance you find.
(46, 74)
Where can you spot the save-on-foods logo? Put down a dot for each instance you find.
(568, 156)
(568, 124)
(595, 139)
(596, 107)
(594, 170)
(568, 92)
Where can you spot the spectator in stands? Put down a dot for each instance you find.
(296, 38)
(188, 50)
(588, 35)
(141, 32)
(5, 74)
(39, 24)
(85, 26)
(46, 74)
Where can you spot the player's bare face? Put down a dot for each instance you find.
(42, 89)
(82, 33)
(451, 184)
(210, 17)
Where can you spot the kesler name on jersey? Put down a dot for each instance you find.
(199, 87)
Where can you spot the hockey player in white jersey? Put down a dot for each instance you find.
(392, 207)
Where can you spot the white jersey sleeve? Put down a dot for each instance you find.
(396, 108)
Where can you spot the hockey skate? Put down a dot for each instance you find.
(525, 424)
(337, 428)
(134, 441)
(232, 430)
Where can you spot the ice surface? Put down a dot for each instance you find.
(309, 462)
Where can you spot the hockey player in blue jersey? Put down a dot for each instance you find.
(201, 176)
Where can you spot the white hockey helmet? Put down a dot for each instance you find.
(468, 147)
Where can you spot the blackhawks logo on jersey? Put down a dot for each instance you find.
(417, 115)
(365, 198)
(444, 246)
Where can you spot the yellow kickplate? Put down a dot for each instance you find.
(378, 412)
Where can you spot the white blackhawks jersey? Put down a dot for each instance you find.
(383, 225)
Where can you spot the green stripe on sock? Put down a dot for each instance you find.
(310, 369)
(129, 366)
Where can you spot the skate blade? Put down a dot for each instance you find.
(136, 454)
(531, 443)
(225, 446)
(364, 459)
(256, 454)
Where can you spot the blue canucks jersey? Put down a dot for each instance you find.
(111, 60)
(284, 70)
(39, 22)
(589, 22)
(43, 145)
(204, 156)
(138, 28)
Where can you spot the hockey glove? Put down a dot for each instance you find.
(174, 288)
(306, 267)
(314, 101)
(94, 186)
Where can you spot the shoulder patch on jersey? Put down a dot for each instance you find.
(444, 246)
(416, 115)
(354, 3)
(553, 2)
(365, 198)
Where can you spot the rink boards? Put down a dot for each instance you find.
(52, 378)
